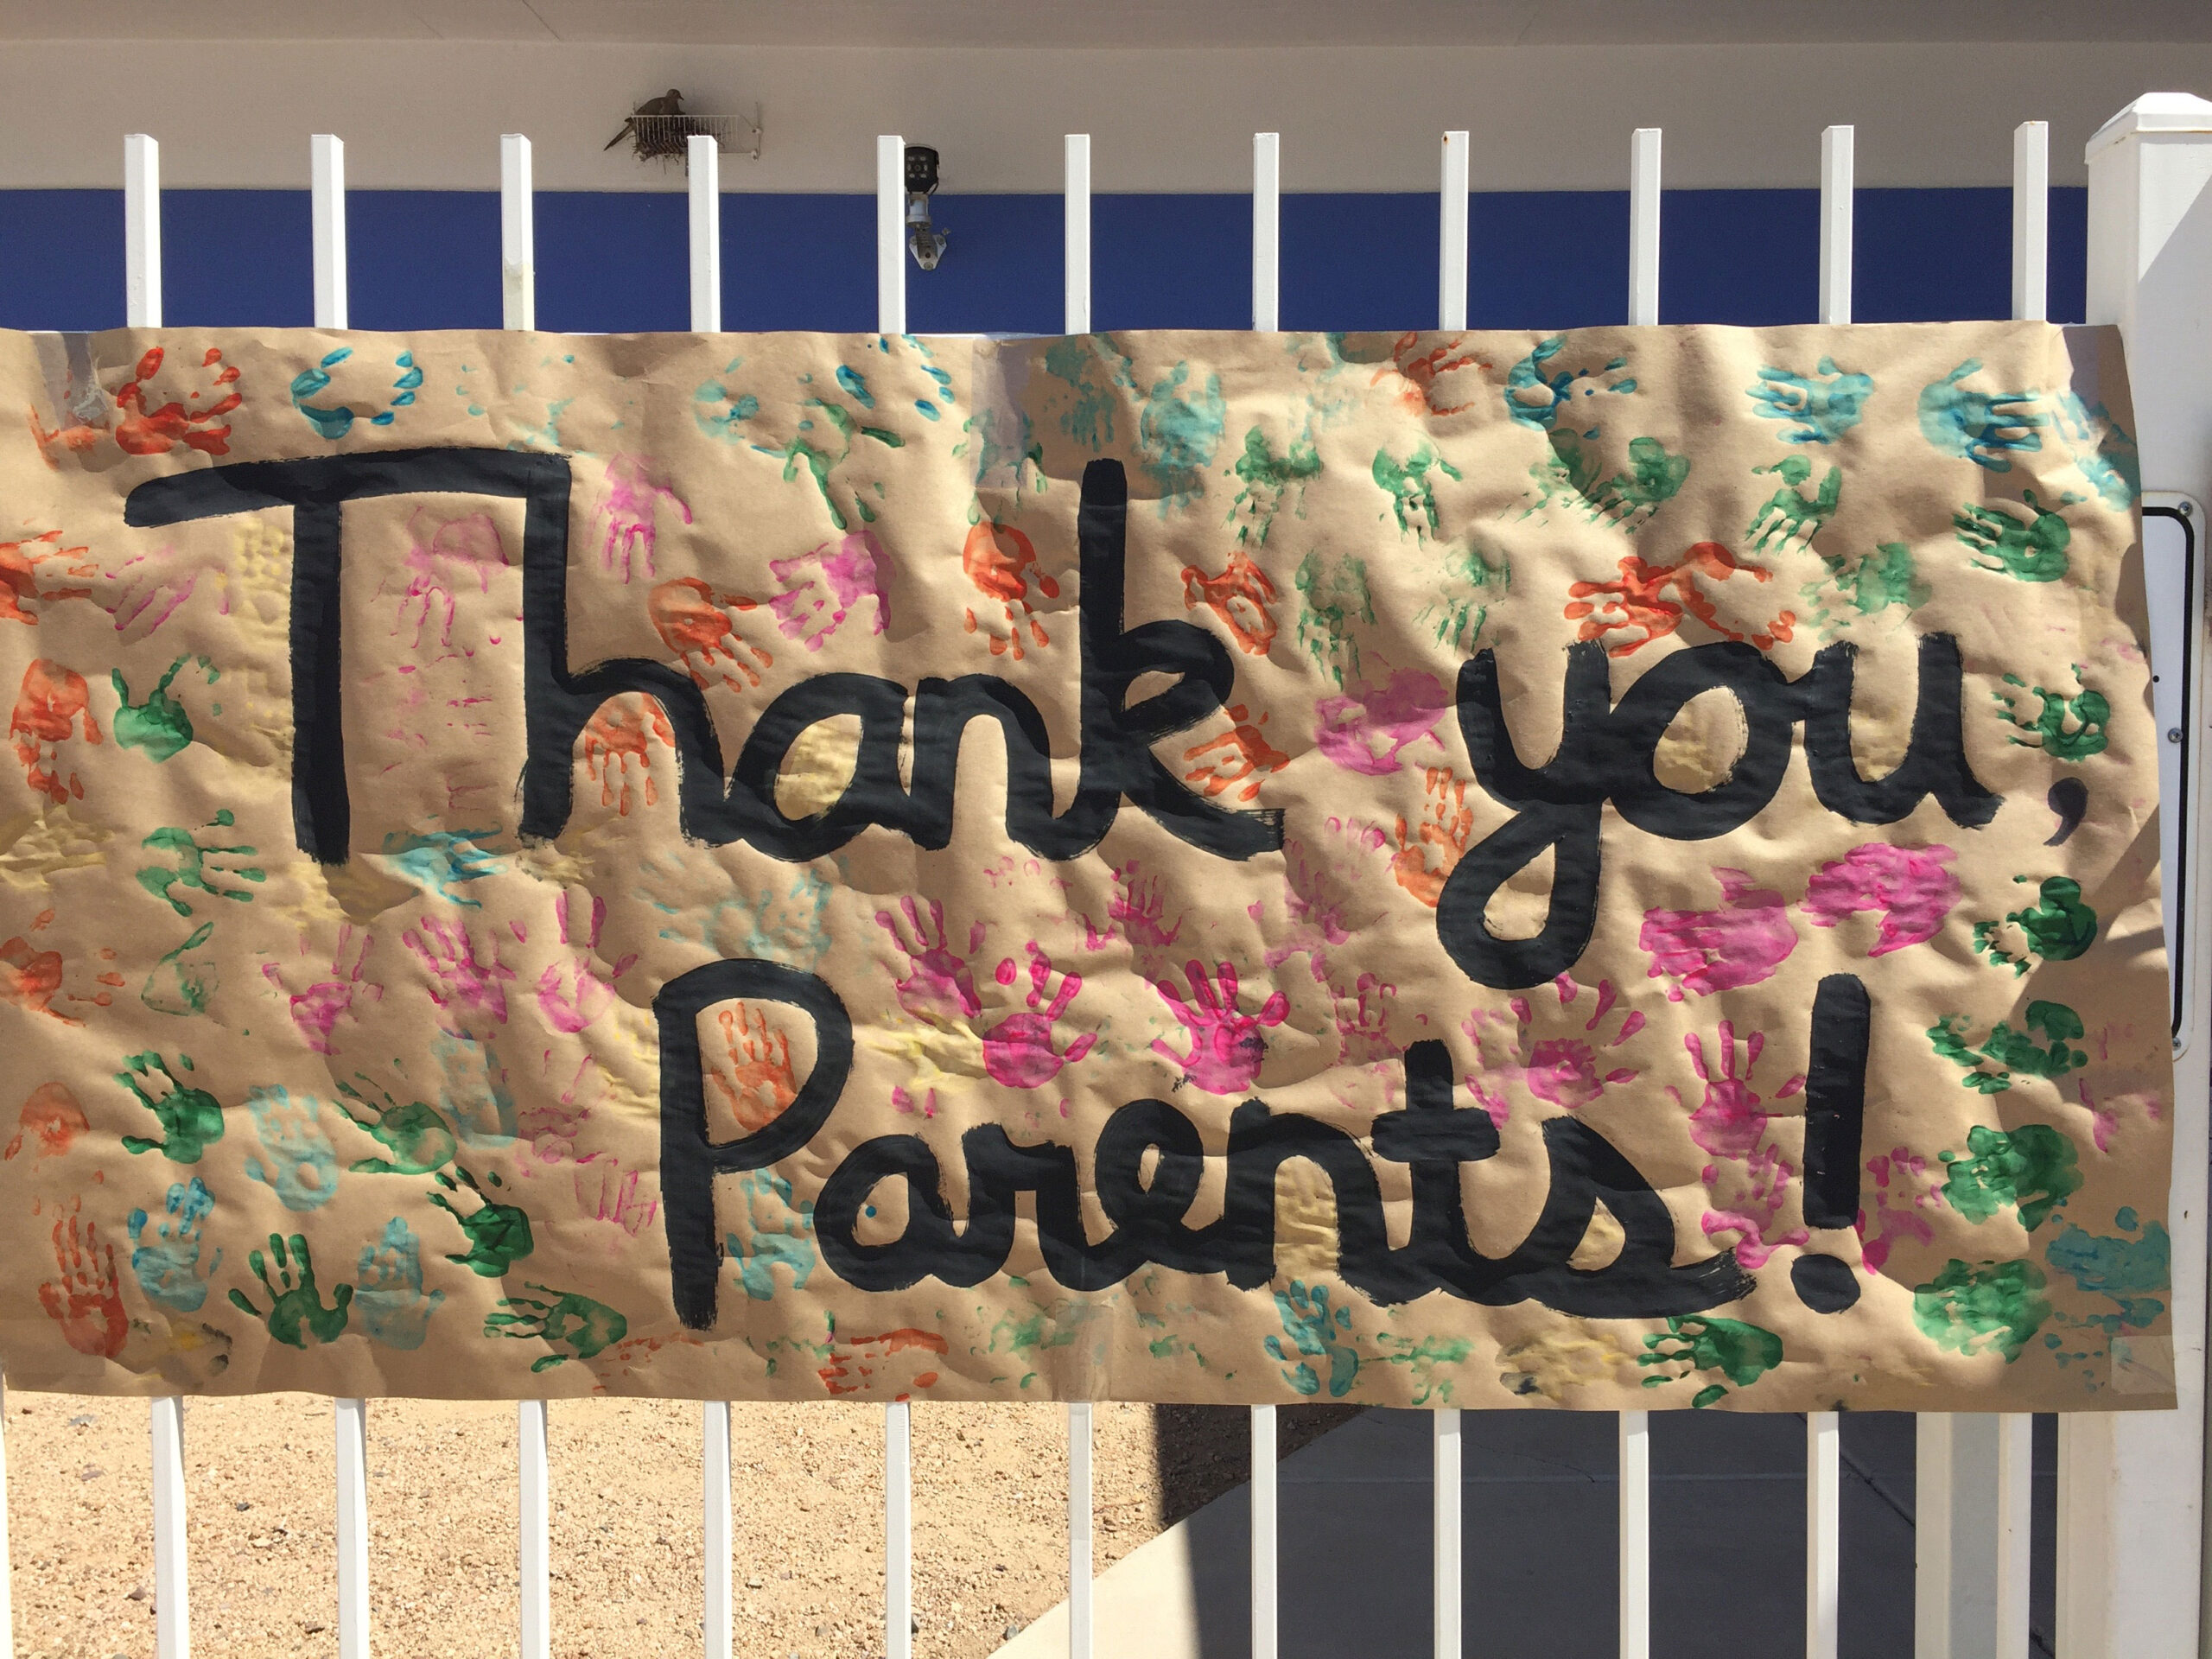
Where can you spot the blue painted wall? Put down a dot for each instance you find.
(607, 262)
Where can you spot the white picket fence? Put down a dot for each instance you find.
(2131, 1486)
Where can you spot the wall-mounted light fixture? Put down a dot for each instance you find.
(924, 239)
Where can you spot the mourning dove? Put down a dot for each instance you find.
(669, 102)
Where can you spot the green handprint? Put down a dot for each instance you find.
(1790, 519)
(2034, 550)
(1864, 586)
(2059, 927)
(584, 1327)
(1329, 602)
(160, 725)
(1311, 1325)
(183, 981)
(295, 1309)
(1654, 476)
(192, 868)
(393, 1309)
(1824, 408)
(1458, 615)
(2014, 1049)
(2033, 1168)
(789, 1245)
(420, 1141)
(1533, 397)
(2065, 728)
(1413, 496)
(2002, 1301)
(1742, 1353)
(192, 1118)
(1422, 1356)
(1982, 427)
(1268, 479)
(1569, 471)
(498, 1234)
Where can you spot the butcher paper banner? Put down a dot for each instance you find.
(1615, 869)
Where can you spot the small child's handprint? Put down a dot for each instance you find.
(417, 1139)
(1020, 1050)
(938, 988)
(1703, 1341)
(393, 1308)
(191, 1118)
(998, 559)
(1447, 826)
(51, 1120)
(20, 575)
(83, 1298)
(463, 984)
(290, 1128)
(1741, 943)
(2033, 548)
(573, 993)
(616, 734)
(317, 1010)
(1316, 1332)
(195, 863)
(498, 1234)
(1562, 1070)
(167, 1265)
(1821, 407)
(441, 557)
(770, 1243)
(577, 1324)
(1985, 427)
(1226, 1048)
(757, 1083)
(1240, 596)
(1790, 519)
(1238, 760)
(1728, 1122)
(295, 1308)
(54, 704)
(832, 579)
(630, 512)
(695, 624)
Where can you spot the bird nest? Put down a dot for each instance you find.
(667, 137)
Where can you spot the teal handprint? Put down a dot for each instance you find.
(498, 1234)
(779, 924)
(168, 1264)
(418, 1139)
(1313, 1329)
(442, 861)
(192, 868)
(160, 725)
(2058, 927)
(393, 1309)
(1536, 395)
(1824, 405)
(2102, 450)
(473, 1094)
(290, 1128)
(1742, 1353)
(2065, 728)
(192, 1118)
(1985, 427)
(1790, 519)
(295, 1309)
(583, 1327)
(2033, 550)
(2013, 1051)
(772, 1244)
(2124, 1269)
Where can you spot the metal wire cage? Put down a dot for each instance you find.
(665, 137)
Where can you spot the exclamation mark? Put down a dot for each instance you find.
(1835, 1117)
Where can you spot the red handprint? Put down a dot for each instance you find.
(464, 985)
(693, 623)
(317, 1010)
(573, 994)
(86, 1303)
(758, 1084)
(52, 703)
(1422, 370)
(617, 732)
(937, 989)
(143, 431)
(1240, 755)
(1240, 596)
(52, 1120)
(1019, 1051)
(1634, 602)
(1447, 826)
(1563, 1070)
(19, 573)
(997, 558)
(1226, 1047)
(31, 978)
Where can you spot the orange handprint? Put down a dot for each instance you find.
(1240, 596)
(86, 1303)
(19, 573)
(693, 623)
(612, 736)
(143, 431)
(51, 1122)
(758, 1084)
(997, 558)
(52, 699)
(1240, 755)
(1445, 828)
(1636, 603)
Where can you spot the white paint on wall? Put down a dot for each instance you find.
(428, 115)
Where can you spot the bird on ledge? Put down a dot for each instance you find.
(669, 102)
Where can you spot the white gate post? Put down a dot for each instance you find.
(2131, 1485)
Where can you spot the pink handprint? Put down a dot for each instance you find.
(1729, 1125)
(1908, 885)
(573, 994)
(694, 623)
(1019, 1051)
(832, 579)
(606, 1191)
(632, 499)
(1139, 908)
(1709, 950)
(1728, 1122)
(1226, 1047)
(1365, 730)
(1362, 1021)
(1562, 1070)
(317, 1010)
(148, 590)
(465, 985)
(1900, 1192)
(938, 988)
(1317, 894)
(443, 553)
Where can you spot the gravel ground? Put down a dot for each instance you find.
(990, 1527)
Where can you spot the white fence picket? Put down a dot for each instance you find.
(704, 161)
(899, 1530)
(351, 1419)
(1836, 172)
(517, 235)
(1079, 1531)
(172, 1593)
(142, 232)
(1075, 236)
(1267, 232)
(534, 1527)
(1635, 1496)
(713, 1484)
(1452, 234)
(890, 234)
(1823, 1531)
(327, 171)
(1643, 227)
(1449, 1502)
(2030, 221)
(1266, 1534)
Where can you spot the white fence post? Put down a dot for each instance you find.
(2132, 1484)
(1079, 1535)
(2030, 221)
(713, 1480)
(327, 171)
(1448, 1526)
(890, 234)
(704, 159)
(1074, 234)
(351, 1419)
(517, 235)
(172, 1597)
(1451, 227)
(142, 232)
(1643, 227)
(533, 1527)
(1267, 232)
(899, 1527)
(1265, 1533)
